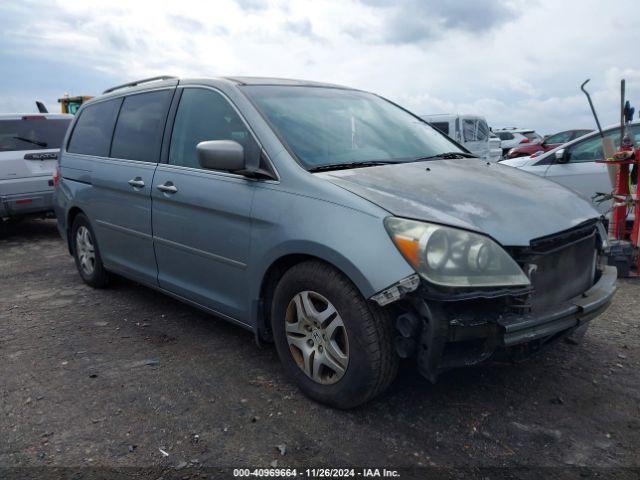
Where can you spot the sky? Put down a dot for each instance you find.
(518, 63)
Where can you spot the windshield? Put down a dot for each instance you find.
(36, 133)
(328, 126)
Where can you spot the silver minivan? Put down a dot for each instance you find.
(329, 221)
(29, 145)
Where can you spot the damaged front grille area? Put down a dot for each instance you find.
(550, 243)
(452, 328)
(560, 266)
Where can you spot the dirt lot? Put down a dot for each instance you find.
(116, 377)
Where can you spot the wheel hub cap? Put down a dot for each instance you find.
(85, 250)
(317, 337)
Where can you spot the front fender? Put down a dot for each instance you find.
(352, 240)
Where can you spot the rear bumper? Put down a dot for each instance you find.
(574, 313)
(24, 204)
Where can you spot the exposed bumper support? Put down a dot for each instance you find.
(473, 332)
(575, 312)
(397, 290)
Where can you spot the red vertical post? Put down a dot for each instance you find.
(620, 212)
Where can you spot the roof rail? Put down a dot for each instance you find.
(138, 82)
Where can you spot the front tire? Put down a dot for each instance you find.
(334, 344)
(87, 254)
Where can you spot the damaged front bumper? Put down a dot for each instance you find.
(442, 335)
(572, 314)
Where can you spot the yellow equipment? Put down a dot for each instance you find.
(72, 104)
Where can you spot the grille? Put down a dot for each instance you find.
(565, 269)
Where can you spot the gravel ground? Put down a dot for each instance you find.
(129, 377)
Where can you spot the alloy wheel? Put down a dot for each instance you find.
(317, 337)
(85, 250)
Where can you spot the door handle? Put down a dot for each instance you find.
(167, 187)
(136, 182)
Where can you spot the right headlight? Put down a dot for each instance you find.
(452, 257)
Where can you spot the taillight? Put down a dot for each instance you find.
(56, 175)
(524, 140)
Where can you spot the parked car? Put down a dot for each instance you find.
(513, 137)
(548, 143)
(575, 165)
(330, 221)
(470, 131)
(29, 146)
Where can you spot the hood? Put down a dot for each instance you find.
(505, 203)
(516, 162)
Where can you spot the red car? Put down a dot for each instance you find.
(549, 142)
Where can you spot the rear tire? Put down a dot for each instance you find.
(357, 362)
(87, 254)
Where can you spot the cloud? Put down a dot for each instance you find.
(517, 64)
(255, 5)
(419, 21)
(301, 28)
(188, 25)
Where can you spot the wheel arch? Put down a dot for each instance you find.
(281, 264)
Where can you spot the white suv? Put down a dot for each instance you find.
(513, 137)
(29, 146)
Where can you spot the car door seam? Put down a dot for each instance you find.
(123, 229)
(202, 253)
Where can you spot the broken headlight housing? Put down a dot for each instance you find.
(452, 257)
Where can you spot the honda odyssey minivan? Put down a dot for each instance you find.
(329, 221)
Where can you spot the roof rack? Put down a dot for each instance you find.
(138, 82)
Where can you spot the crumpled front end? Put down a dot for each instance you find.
(449, 328)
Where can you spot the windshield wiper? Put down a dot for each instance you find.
(446, 156)
(35, 142)
(344, 166)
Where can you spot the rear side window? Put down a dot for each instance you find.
(562, 137)
(32, 133)
(92, 132)
(138, 133)
(505, 135)
(532, 136)
(475, 130)
(205, 115)
(580, 133)
(442, 126)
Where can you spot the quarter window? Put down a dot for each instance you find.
(93, 130)
(138, 134)
(205, 115)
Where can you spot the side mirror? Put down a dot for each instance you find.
(562, 156)
(226, 155)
